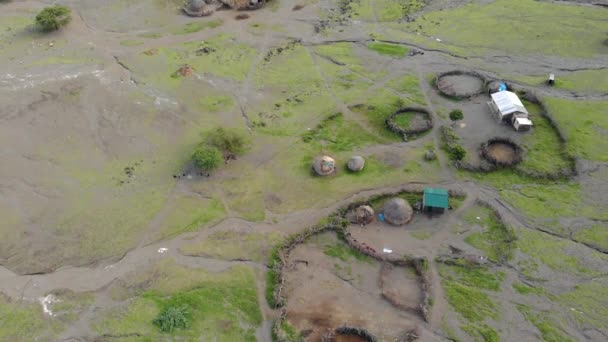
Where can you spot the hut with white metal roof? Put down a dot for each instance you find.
(505, 105)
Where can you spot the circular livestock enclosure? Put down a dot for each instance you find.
(410, 121)
(460, 84)
(501, 152)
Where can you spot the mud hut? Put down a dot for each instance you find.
(397, 211)
(356, 164)
(364, 215)
(324, 166)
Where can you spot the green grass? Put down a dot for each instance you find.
(544, 150)
(524, 289)
(223, 306)
(341, 251)
(408, 85)
(497, 241)
(549, 329)
(593, 236)
(474, 305)
(197, 26)
(232, 245)
(393, 50)
(477, 277)
(26, 322)
(584, 123)
(525, 26)
(588, 303)
(190, 213)
(481, 332)
(336, 134)
(216, 103)
(557, 253)
(585, 81)
(384, 10)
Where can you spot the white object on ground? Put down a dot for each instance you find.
(162, 250)
(388, 251)
(479, 218)
(437, 39)
(46, 303)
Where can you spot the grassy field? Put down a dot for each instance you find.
(497, 241)
(525, 26)
(223, 306)
(232, 245)
(583, 123)
(465, 290)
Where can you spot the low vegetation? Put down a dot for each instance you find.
(451, 145)
(456, 115)
(217, 143)
(388, 49)
(173, 318)
(497, 241)
(53, 18)
(465, 289)
(548, 328)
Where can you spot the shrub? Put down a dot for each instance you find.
(456, 115)
(54, 17)
(207, 157)
(456, 152)
(173, 318)
(229, 142)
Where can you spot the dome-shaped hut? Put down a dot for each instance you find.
(356, 163)
(324, 166)
(198, 8)
(397, 211)
(364, 215)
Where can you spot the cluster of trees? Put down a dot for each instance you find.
(219, 144)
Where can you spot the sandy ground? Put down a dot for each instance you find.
(68, 130)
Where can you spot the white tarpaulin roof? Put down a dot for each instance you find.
(507, 102)
(523, 121)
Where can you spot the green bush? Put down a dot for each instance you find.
(207, 157)
(456, 152)
(173, 318)
(229, 141)
(456, 115)
(54, 17)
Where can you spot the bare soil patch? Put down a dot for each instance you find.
(326, 292)
(502, 152)
(460, 84)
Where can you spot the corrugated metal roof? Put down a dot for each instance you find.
(508, 102)
(434, 197)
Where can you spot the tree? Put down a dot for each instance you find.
(206, 157)
(457, 152)
(230, 142)
(172, 318)
(456, 115)
(54, 17)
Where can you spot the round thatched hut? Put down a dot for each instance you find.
(364, 215)
(397, 211)
(324, 166)
(356, 163)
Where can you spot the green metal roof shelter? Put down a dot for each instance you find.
(435, 199)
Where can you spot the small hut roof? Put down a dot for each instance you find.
(364, 214)
(356, 163)
(397, 211)
(324, 165)
(195, 5)
(507, 102)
